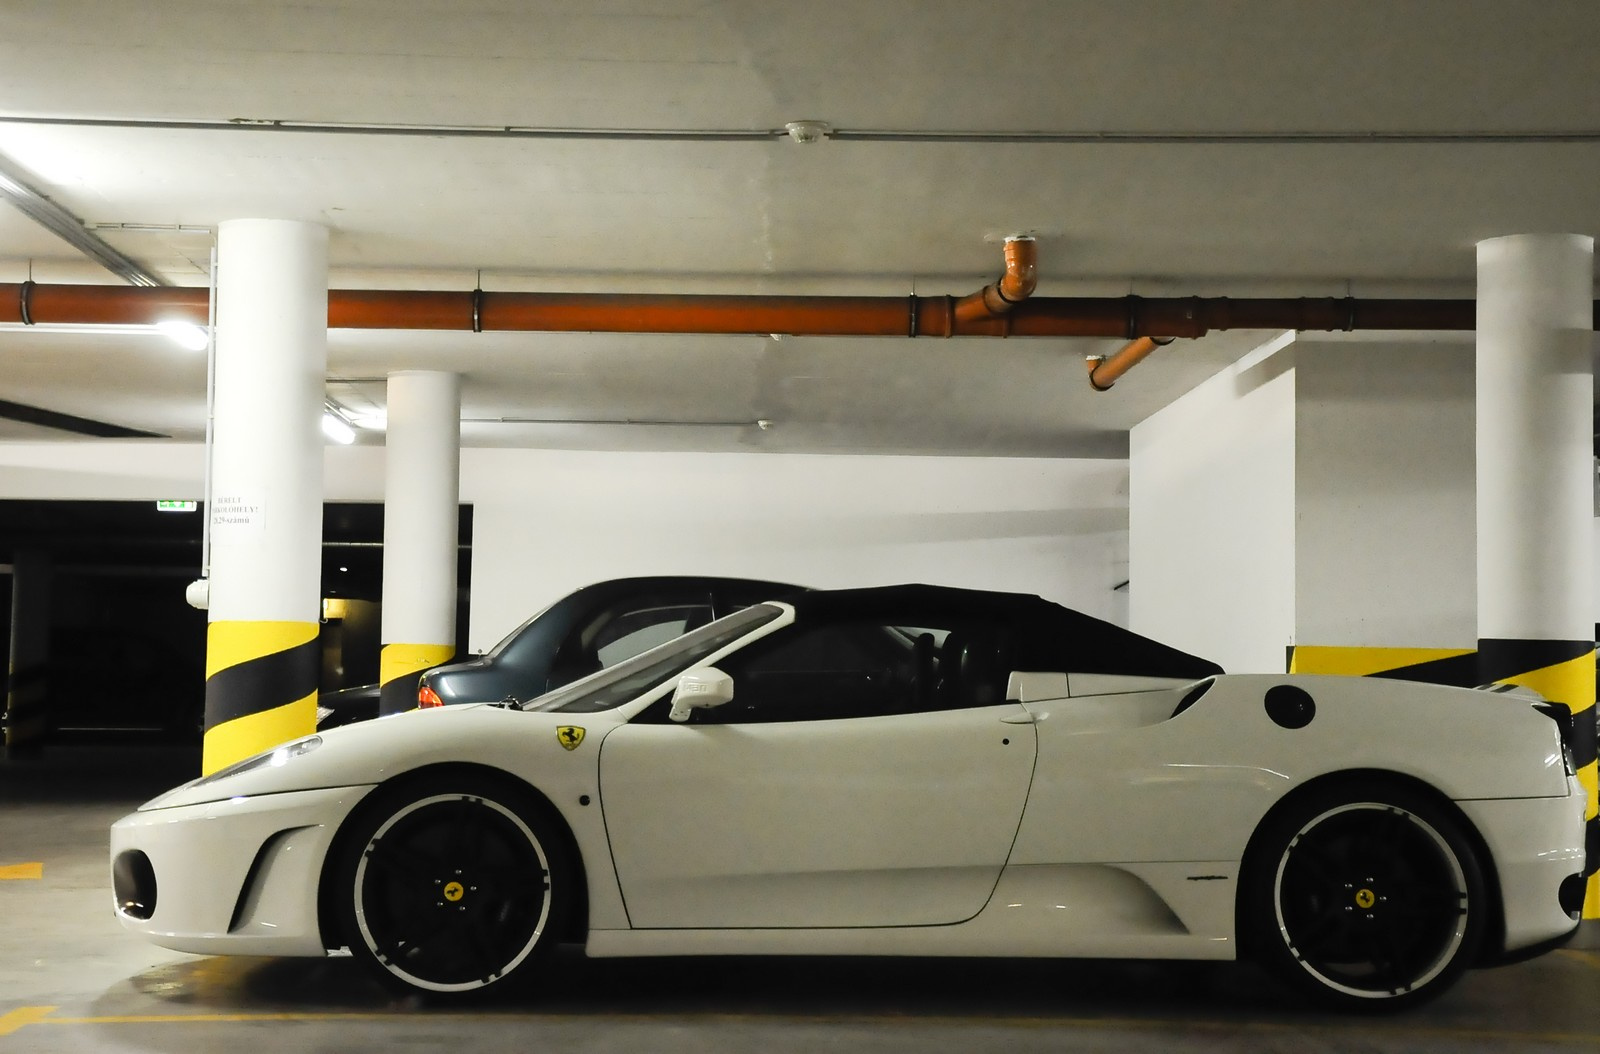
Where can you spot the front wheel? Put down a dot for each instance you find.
(1366, 901)
(453, 887)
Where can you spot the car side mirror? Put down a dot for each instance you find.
(700, 689)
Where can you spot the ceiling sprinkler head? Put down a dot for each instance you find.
(808, 131)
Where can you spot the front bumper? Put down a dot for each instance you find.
(237, 876)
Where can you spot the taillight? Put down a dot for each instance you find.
(427, 697)
(1561, 714)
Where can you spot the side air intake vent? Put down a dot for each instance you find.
(1192, 696)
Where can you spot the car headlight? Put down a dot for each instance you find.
(273, 758)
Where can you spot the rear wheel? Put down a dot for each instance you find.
(1366, 901)
(453, 887)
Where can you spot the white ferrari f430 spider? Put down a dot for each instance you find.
(907, 770)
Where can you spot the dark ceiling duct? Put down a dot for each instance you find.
(862, 316)
(84, 426)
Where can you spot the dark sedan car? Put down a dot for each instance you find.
(593, 628)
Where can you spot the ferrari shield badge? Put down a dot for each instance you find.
(569, 736)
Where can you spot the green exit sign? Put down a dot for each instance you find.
(177, 506)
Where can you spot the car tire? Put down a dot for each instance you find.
(1368, 899)
(453, 887)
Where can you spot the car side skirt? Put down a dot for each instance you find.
(1046, 910)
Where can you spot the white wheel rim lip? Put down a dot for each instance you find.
(360, 912)
(1445, 957)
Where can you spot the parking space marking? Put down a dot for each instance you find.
(34, 870)
(209, 1019)
(23, 1016)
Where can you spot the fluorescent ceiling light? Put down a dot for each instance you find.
(335, 429)
(186, 335)
(84, 329)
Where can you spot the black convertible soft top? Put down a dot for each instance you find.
(1046, 637)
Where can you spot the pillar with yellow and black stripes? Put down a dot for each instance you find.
(422, 476)
(1535, 482)
(262, 655)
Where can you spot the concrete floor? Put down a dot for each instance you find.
(71, 980)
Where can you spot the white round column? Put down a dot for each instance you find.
(263, 657)
(1535, 478)
(422, 482)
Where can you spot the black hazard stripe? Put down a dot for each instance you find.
(1495, 660)
(263, 684)
(1458, 671)
(1500, 659)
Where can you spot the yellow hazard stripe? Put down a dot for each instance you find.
(1570, 682)
(261, 688)
(248, 736)
(403, 660)
(1589, 776)
(1364, 662)
(23, 872)
(233, 643)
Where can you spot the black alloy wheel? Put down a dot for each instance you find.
(1366, 901)
(453, 888)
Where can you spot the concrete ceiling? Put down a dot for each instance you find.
(1224, 166)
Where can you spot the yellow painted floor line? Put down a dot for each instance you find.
(23, 1016)
(173, 1019)
(33, 870)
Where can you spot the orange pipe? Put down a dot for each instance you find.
(101, 304)
(913, 316)
(1013, 286)
(1103, 373)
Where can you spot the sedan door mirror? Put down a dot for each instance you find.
(700, 690)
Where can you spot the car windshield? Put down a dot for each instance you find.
(634, 677)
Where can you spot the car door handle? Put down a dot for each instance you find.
(1024, 718)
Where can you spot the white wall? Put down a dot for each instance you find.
(545, 522)
(1385, 491)
(140, 469)
(1211, 543)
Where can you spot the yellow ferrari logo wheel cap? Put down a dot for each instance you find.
(569, 736)
(1365, 899)
(453, 892)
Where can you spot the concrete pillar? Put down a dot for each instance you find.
(27, 680)
(1535, 478)
(422, 483)
(266, 508)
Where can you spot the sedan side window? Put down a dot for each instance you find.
(619, 633)
(639, 631)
